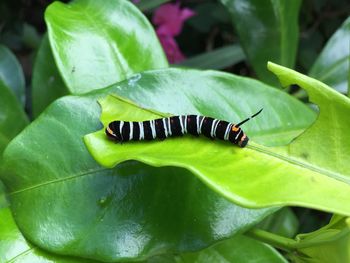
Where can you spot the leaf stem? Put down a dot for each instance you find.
(272, 239)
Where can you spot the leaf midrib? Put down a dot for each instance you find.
(279, 134)
(304, 165)
(21, 254)
(57, 181)
(265, 151)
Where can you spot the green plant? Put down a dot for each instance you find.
(70, 195)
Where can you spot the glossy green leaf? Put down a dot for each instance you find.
(15, 249)
(13, 246)
(332, 65)
(328, 244)
(267, 30)
(302, 173)
(97, 43)
(12, 117)
(11, 73)
(47, 83)
(12, 243)
(216, 59)
(63, 201)
(240, 249)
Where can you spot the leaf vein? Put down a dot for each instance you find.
(57, 181)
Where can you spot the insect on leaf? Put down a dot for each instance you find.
(303, 173)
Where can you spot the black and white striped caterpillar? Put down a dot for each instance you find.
(162, 128)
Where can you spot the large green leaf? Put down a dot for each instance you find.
(97, 43)
(332, 65)
(11, 73)
(239, 249)
(267, 30)
(13, 246)
(12, 117)
(304, 173)
(15, 249)
(98, 69)
(63, 201)
(47, 83)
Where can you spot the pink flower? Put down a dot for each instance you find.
(169, 19)
(171, 48)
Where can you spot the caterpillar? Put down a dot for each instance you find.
(162, 128)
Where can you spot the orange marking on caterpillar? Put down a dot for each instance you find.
(234, 128)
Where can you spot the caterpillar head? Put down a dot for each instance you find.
(243, 141)
(240, 138)
(237, 136)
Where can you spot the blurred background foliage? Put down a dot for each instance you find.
(22, 26)
(207, 38)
